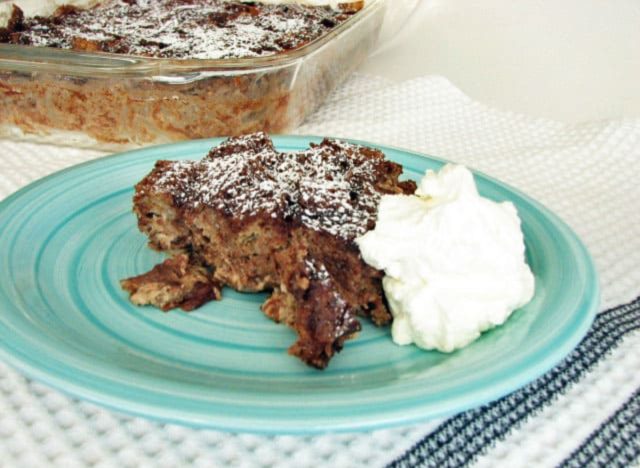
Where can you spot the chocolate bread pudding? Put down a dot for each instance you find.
(250, 217)
(129, 72)
(184, 29)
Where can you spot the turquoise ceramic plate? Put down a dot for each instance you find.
(66, 240)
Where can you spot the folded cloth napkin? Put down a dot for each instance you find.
(584, 411)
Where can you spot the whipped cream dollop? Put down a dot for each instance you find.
(454, 261)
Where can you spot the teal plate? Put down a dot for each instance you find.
(67, 239)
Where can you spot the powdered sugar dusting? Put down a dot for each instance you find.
(319, 272)
(330, 187)
(196, 29)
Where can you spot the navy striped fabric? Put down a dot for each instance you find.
(615, 444)
(461, 439)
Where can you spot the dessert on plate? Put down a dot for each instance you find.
(256, 219)
(333, 234)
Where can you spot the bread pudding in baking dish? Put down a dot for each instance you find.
(129, 72)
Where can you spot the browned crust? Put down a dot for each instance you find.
(173, 283)
(112, 26)
(351, 7)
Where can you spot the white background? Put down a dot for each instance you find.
(569, 60)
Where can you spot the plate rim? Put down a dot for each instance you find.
(414, 414)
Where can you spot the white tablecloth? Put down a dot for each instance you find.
(586, 409)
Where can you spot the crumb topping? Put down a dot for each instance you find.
(329, 187)
(186, 29)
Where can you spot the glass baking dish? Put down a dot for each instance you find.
(112, 101)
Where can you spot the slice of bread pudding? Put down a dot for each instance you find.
(256, 219)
